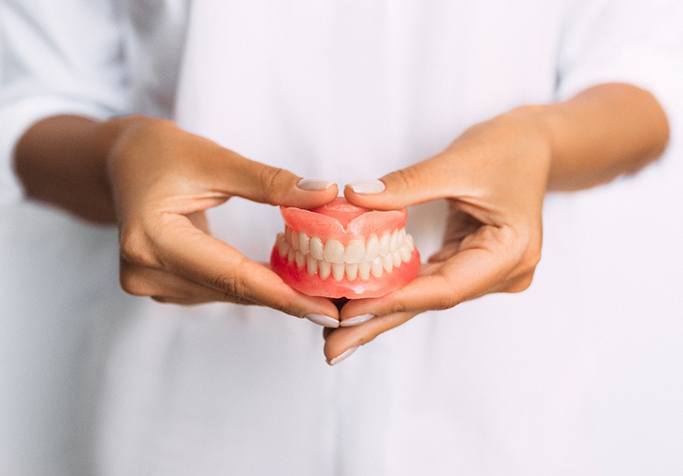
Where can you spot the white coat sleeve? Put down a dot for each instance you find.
(56, 57)
(639, 42)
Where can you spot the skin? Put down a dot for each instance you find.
(156, 181)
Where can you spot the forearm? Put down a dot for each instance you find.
(600, 134)
(62, 161)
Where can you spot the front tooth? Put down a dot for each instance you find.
(324, 269)
(355, 251)
(338, 271)
(377, 267)
(311, 265)
(388, 262)
(372, 249)
(290, 255)
(300, 259)
(397, 258)
(405, 253)
(316, 247)
(401, 236)
(351, 271)
(334, 251)
(295, 240)
(282, 247)
(393, 243)
(384, 244)
(364, 270)
(303, 242)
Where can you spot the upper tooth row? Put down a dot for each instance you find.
(356, 250)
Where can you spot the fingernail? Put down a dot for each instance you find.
(342, 356)
(314, 184)
(356, 320)
(322, 320)
(368, 186)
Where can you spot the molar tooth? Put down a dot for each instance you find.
(290, 255)
(355, 251)
(334, 251)
(364, 270)
(316, 247)
(388, 262)
(294, 240)
(282, 246)
(405, 253)
(324, 269)
(384, 243)
(311, 265)
(303, 242)
(377, 267)
(372, 248)
(300, 259)
(351, 271)
(393, 243)
(410, 243)
(397, 258)
(338, 271)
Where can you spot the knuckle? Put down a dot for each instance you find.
(134, 247)
(230, 284)
(271, 177)
(521, 284)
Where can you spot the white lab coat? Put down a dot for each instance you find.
(579, 375)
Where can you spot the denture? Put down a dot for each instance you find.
(341, 250)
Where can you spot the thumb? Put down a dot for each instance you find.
(421, 182)
(262, 183)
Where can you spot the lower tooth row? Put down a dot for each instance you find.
(352, 271)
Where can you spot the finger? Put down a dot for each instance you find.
(166, 287)
(237, 175)
(484, 260)
(186, 251)
(421, 182)
(345, 340)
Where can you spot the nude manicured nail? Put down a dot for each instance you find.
(314, 184)
(322, 320)
(356, 320)
(342, 356)
(368, 186)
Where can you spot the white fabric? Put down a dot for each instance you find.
(579, 375)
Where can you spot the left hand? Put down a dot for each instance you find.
(494, 177)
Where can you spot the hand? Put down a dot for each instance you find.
(162, 180)
(494, 177)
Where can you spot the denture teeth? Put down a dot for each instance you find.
(393, 241)
(351, 271)
(384, 243)
(396, 255)
(355, 251)
(405, 253)
(316, 247)
(372, 248)
(295, 240)
(303, 242)
(338, 271)
(311, 265)
(364, 270)
(324, 269)
(334, 251)
(376, 269)
(300, 259)
(282, 246)
(410, 243)
(388, 262)
(358, 259)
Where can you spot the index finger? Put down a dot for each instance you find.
(203, 259)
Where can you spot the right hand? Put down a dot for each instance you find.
(163, 179)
